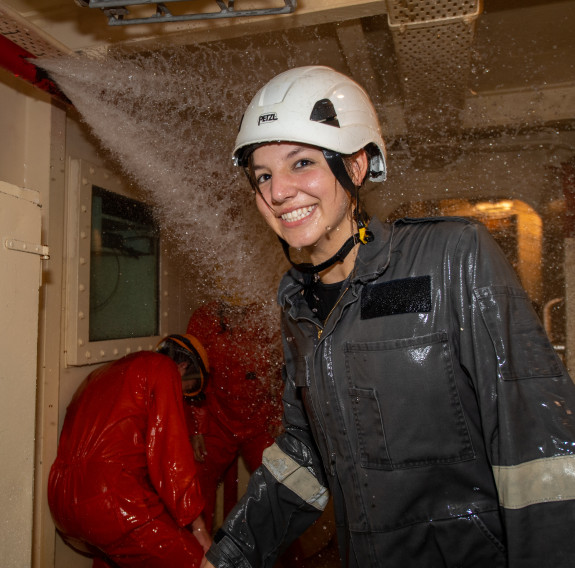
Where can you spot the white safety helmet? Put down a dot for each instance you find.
(313, 105)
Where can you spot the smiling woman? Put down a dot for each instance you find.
(308, 190)
(302, 201)
(408, 346)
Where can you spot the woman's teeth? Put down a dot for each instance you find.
(298, 214)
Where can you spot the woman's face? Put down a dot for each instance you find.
(300, 198)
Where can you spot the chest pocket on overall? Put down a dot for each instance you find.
(403, 395)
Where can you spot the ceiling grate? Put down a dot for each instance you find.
(433, 43)
(28, 37)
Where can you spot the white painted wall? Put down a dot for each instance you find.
(19, 285)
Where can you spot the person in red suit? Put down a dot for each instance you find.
(124, 486)
(241, 412)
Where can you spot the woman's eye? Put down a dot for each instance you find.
(303, 163)
(262, 178)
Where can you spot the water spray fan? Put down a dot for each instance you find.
(118, 14)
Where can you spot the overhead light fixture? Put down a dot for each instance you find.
(495, 209)
(118, 14)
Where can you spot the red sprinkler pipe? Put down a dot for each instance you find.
(16, 60)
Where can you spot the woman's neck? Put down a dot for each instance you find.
(340, 270)
(329, 247)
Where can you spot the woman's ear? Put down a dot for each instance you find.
(359, 164)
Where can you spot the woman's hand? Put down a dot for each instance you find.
(206, 563)
(201, 534)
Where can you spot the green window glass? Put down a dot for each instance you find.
(124, 268)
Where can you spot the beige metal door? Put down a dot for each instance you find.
(20, 271)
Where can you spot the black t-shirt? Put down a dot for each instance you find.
(321, 298)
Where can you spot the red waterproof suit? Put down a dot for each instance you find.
(242, 406)
(124, 480)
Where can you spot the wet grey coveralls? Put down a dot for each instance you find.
(432, 406)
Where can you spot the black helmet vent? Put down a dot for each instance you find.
(324, 112)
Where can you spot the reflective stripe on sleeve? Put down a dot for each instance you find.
(537, 481)
(296, 478)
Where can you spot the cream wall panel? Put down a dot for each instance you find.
(19, 230)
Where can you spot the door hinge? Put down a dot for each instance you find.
(33, 248)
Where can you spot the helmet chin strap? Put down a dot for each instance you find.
(337, 166)
(308, 268)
